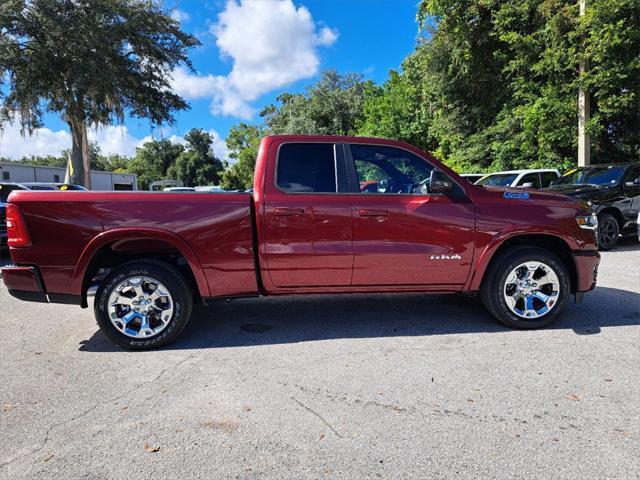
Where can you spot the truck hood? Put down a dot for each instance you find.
(586, 192)
(531, 194)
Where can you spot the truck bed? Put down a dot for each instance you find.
(212, 231)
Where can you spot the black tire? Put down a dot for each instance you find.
(608, 231)
(493, 286)
(171, 278)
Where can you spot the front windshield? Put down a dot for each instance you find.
(498, 180)
(591, 176)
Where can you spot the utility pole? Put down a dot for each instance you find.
(584, 142)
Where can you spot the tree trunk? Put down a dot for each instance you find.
(80, 168)
(76, 172)
(86, 161)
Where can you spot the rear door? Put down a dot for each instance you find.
(402, 235)
(307, 216)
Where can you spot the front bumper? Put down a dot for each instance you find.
(586, 262)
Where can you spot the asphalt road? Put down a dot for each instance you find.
(330, 387)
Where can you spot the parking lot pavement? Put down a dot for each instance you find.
(403, 386)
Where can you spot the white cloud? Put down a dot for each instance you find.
(111, 139)
(43, 142)
(180, 15)
(220, 149)
(270, 43)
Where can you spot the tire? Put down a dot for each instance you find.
(174, 302)
(497, 287)
(608, 231)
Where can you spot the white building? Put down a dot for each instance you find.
(12, 172)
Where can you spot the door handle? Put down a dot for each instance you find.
(288, 212)
(373, 212)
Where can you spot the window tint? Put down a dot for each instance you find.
(498, 180)
(307, 168)
(547, 178)
(383, 169)
(533, 178)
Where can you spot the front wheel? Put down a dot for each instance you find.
(608, 231)
(526, 287)
(143, 304)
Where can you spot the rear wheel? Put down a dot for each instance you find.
(526, 287)
(608, 231)
(143, 305)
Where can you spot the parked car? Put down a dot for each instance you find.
(538, 178)
(612, 190)
(52, 186)
(472, 177)
(209, 188)
(305, 229)
(179, 189)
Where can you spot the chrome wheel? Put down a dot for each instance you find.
(140, 307)
(531, 290)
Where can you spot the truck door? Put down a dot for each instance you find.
(403, 235)
(307, 215)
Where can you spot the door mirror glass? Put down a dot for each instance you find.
(439, 183)
(635, 183)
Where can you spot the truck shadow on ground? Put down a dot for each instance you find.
(281, 320)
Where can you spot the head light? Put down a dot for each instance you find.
(588, 221)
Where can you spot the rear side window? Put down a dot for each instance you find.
(547, 178)
(307, 168)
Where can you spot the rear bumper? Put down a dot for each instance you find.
(25, 283)
(586, 262)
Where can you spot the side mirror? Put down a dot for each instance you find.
(526, 185)
(635, 183)
(439, 183)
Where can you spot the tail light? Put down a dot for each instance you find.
(17, 233)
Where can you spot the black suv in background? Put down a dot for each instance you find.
(613, 192)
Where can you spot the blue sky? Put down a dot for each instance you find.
(253, 50)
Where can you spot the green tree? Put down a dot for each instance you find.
(152, 160)
(501, 79)
(243, 143)
(332, 106)
(197, 164)
(397, 110)
(90, 61)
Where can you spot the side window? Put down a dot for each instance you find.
(307, 168)
(633, 175)
(391, 170)
(547, 178)
(533, 178)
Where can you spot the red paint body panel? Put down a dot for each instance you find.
(212, 231)
(304, 243)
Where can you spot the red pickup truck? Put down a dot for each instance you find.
(307, 228)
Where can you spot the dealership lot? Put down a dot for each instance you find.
(404, 386)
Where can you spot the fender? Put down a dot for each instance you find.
(473, 284)
(139, 234)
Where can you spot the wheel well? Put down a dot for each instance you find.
(616, 214)
(548, 242)
(113, 254)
